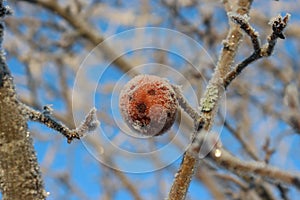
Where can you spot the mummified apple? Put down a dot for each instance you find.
(148, 104)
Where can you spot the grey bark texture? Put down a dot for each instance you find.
(20, 176)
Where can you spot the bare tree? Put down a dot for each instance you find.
(47, 41)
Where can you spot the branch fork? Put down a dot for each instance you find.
(209, 104)
(278, 25)
(89, 124)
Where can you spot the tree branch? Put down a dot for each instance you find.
(278, 25)
(86, 31)
(253, 168)
(89, 124)
(20, 176)
(184, 104)
(213, 93)
(211, 96)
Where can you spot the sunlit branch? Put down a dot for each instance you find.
(278, 25)
(89, 124)
(239, 167)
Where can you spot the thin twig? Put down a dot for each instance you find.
(242, 20)
(278, 25)
(249, 149)
(86, 31)
(268, 150)
(128, 184)
(283, 191)
(239, 167)
(232, 179)
(89, 124)
(211, 183)
(184, 104)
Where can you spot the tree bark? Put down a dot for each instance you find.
(20, 176)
